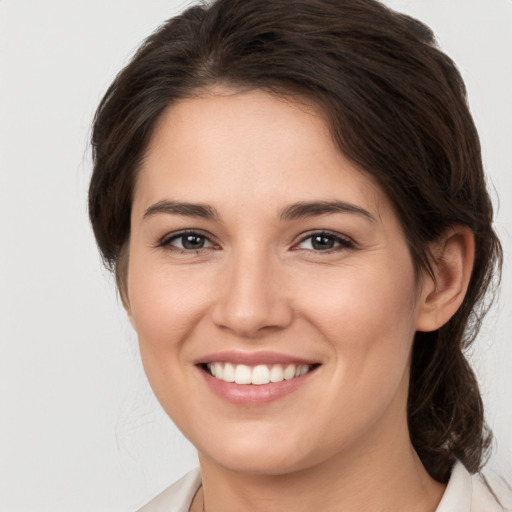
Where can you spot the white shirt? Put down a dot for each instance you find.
(464, 493)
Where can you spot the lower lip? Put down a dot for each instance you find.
(251, 394)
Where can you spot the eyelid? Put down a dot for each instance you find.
(165, 241)
(344, 241)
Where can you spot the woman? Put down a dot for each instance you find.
(292, 199)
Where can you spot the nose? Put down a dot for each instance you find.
(252, 296)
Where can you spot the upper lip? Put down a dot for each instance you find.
(253, 358)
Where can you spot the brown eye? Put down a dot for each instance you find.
(192, 241)
(187, 241)
(324, 241)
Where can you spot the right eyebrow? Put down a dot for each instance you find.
(304, 210)
(185, 209)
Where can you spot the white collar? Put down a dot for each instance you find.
(458, 493)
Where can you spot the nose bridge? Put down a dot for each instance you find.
(251, 298)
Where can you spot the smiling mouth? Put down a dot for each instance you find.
(259, 374)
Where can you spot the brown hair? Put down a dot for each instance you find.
(397, 108)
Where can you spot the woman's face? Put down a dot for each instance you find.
(258, 252)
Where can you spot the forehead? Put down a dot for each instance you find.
(227, 147)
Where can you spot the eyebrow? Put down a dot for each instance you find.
(295, 211)
(203, 211)
(303, 210)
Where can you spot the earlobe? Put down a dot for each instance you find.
(452, 263)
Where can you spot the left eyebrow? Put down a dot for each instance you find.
(303, 210)
(201, 210)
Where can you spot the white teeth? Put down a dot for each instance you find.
(228, 374)
(289, 372)
(257, 375)
(242, 374)
(260, 375)
(276, 373)
(218, 370)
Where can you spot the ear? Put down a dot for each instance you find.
(452, 260)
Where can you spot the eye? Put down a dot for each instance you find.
(187, 241)
(324, 242)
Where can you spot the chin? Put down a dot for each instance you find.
(260, 455)
(264, 464)
(250, 456)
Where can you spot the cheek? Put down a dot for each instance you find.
(367, 315)
(165, 307)
(361, 301)
(165, 302)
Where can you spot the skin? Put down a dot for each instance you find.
(259, 283)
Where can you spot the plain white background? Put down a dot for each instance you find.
(79, 428)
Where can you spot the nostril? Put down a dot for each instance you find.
(255, 321)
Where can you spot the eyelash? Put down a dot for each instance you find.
(166, 242)
(343, 243)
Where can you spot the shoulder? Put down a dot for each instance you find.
(475, 493)
(178, 496)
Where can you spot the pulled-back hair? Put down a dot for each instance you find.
(396, 106)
